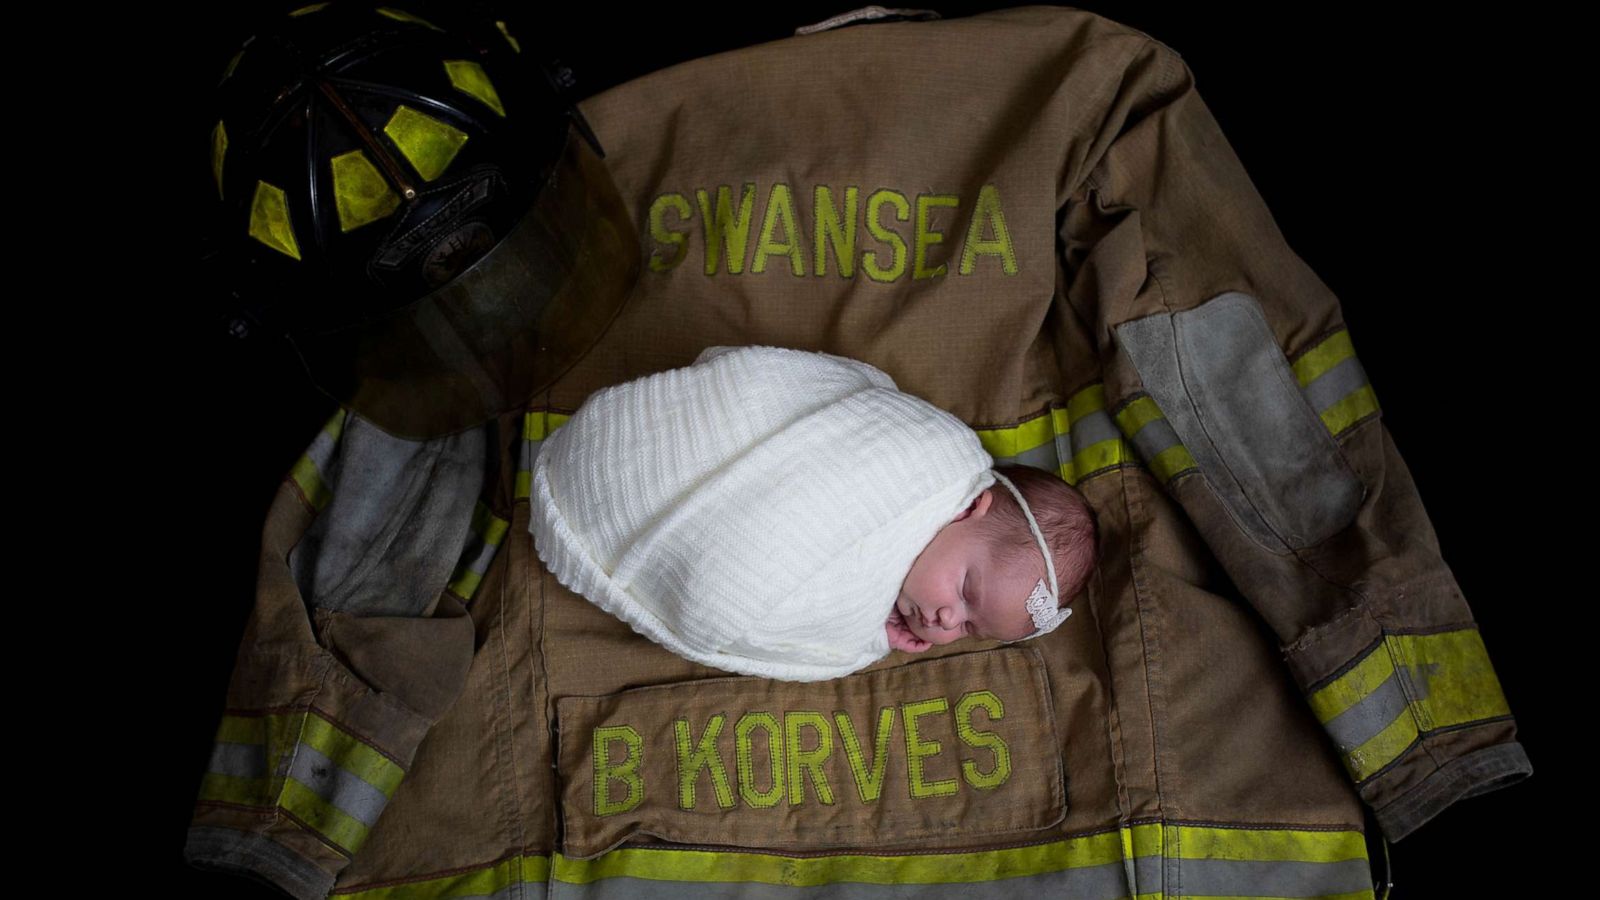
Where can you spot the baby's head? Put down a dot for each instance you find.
(973, 579)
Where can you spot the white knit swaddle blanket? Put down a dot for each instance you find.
(756, 511)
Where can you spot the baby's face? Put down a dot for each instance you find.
(955, 590)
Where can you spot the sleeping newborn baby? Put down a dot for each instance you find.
(793, 515)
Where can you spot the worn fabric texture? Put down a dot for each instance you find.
(756, 511)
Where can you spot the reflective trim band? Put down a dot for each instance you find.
(307, 471)
(1404, 686)
(483, 542)
(315, 7)
(328, 779)
(1074, 441)
(1130, 862)
(1334, 383)
(525, 877)
(469, 77)
(536, 426)
(1156, 440)
(427, 143)
(269, 220)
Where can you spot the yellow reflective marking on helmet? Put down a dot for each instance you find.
(400, 15)
(470, 77)
(808, 760)
(427, 143)
(219, 150)
(315, 7)
(269, 220)
(743, 745)
(500, 24)
(360, 192)
(627, 772)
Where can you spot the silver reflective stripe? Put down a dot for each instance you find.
(1365, 720)
(1267, 878)
(1041, 457)
(344, 790)
(1104, 882)
(238, 760)
(1335, 384)
(1156, 435)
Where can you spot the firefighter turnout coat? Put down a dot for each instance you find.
(1030, 219)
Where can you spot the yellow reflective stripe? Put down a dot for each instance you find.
(488, 530)
(1244, 847)
(1353, 686)
(1017, 439)
(478, 883)
(269, 220)
(699, 866)
(1263, 845)
(1383, 748)
(469, 77)
(1329, 352)
(308, 9)
(351, 754)
(1460, 684)
(306, 471)
(338, 827)
(1407, 685)
(400, 15)
(427, 143)
(360, 193)
(536, 426)
(1359, 403)
(1137, 414)
(1171, 461)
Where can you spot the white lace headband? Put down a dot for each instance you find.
(1043, 602)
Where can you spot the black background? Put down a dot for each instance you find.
(1397, 151)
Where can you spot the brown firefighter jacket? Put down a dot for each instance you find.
(1029, 218)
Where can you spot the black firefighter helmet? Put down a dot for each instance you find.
(419, 210)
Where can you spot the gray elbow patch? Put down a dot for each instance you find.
(1225, 386)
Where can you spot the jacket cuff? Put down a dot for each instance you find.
(258, 857)
(1478, 772)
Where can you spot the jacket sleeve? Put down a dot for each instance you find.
(358, 642)
(1227, 365)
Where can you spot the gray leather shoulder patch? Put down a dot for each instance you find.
(1224, 384)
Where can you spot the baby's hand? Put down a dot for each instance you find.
(901, 637)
